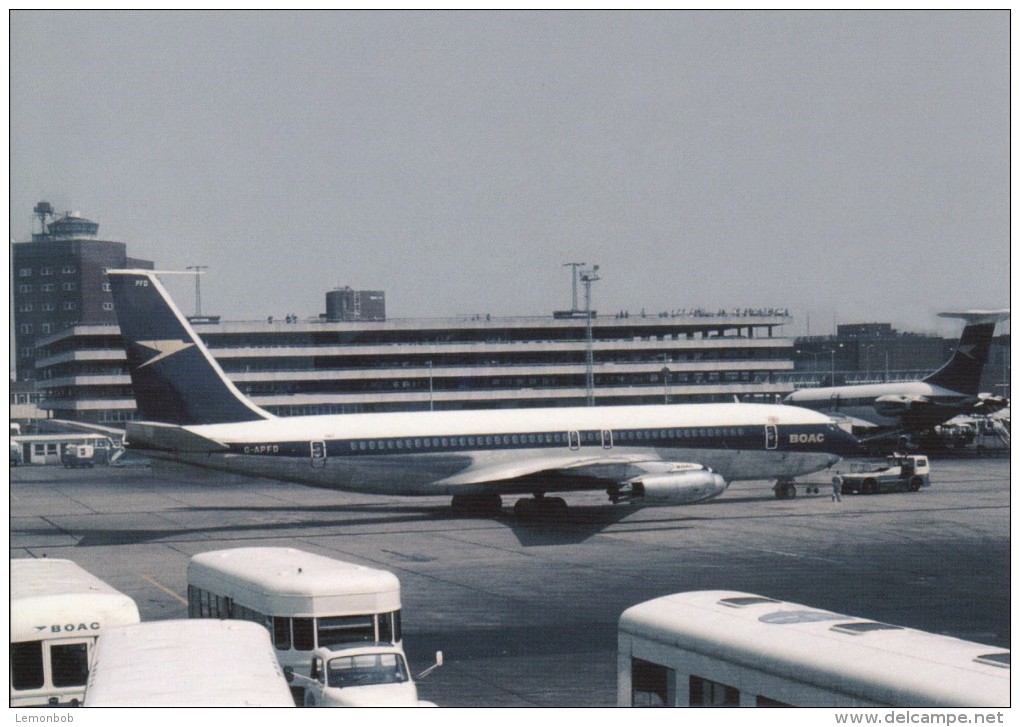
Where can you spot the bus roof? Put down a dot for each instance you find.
(879, 662)
(186, 663)
(278, 581)
(51, 597)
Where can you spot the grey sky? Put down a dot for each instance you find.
(851, 166)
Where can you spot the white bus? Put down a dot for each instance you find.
(732, 649)
(306, 601)
(58, 609)
(186, 663)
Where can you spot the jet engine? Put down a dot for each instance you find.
(990, 403)
(670, 488)
(893, 405)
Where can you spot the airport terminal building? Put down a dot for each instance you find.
(322, 366)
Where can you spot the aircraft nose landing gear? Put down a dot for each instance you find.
(785, 489)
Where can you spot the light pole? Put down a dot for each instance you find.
(430, 387)
(573, 300)
(588, 277)
(832, 364)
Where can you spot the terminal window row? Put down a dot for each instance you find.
(27, 272)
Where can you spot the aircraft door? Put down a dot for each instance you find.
(574, 439)
(318, 452)
(771, 436)
(607, 439)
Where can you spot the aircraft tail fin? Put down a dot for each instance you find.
(963, 371)
(175, 379)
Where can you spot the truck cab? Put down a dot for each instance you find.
(365, 676)
(900, 473)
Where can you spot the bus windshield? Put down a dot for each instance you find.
(363, 670)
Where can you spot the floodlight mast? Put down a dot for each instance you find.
(575, 266)
(588, 277)
(198, 286)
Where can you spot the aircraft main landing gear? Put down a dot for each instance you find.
(540, 506)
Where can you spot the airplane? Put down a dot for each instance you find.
(191, 413)
(895, 413)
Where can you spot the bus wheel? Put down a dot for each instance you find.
(869, 487)
(915, 483)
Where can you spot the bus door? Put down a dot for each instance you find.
(771, 436)
(318, 450)
(607, 439)
(574, 439)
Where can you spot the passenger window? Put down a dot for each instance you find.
(652, 685)
(27, 665)
(335, 630)
(69, 664)
(706, 693)
(304, 634)
(281, 632)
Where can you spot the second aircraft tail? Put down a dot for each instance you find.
(963, 371)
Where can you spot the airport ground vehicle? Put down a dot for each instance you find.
(900, 473)
(78, 455)
(186, 663)
(733, 649)
(366, 676)
(58, 610)
(16, 456)
(306, 600)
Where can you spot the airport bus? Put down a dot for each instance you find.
(58, 610)
(733, 649)
(186, 663)
(307, 601)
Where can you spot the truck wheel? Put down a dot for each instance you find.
(916, 482)
(869, 487)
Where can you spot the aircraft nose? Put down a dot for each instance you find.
(847, 445)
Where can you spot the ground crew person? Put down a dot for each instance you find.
(837, 487)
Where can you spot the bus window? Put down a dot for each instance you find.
(304, 634)
(69, 664)
(347, 630)
(281, 633)
(389, 627)
(652, 684)
(27, 665)
(706, 693)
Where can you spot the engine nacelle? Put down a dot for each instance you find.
(990, 403)
(892, 405)
(670, 488)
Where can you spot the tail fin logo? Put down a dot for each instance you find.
(163, 349)
(967, 350)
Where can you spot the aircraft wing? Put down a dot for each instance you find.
(609, 467)
(625, 477)
(111, 432)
